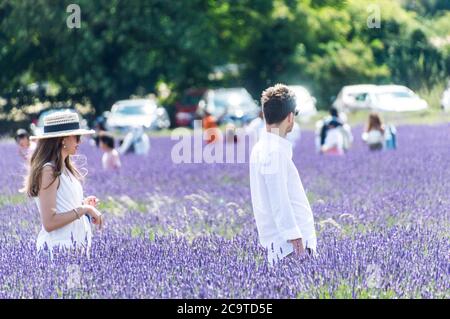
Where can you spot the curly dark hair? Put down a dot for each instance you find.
(277, 102)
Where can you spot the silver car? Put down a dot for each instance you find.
(144, 113)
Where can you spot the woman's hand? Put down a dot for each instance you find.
(91, 200)
(96, 216)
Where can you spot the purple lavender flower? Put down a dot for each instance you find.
(187, 230)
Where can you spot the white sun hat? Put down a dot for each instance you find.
(60, 124)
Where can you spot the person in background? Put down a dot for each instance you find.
(256, 127)
(26, 147)
(210, 127)
(230, 134)
(334, 140)
(379, 136)
(99, 128)
(283, 216)
(111, 158)
(390, 136)
(136, 141)
(334, 120)
(346, 131)
(374, 134)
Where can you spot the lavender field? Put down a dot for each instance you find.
(187, 230)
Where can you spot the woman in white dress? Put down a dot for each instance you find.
(55, 184)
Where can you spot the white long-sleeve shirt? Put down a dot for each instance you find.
(281, 208)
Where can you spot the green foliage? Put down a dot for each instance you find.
(130, 47)
(433, 95)
(426, 7)
(415, 62)
(13, 199)
(343, 65)
(120, 47)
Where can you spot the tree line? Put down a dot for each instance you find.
(131, 47)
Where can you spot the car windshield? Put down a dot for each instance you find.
(395, 95)
(131, 110)
(226, 100)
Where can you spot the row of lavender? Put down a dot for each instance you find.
(187, 230)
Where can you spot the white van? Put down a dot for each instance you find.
(390, 98)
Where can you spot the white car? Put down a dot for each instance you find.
(306, 103)
(389, 98)
(144, 113)
(396, 98)
(445, 100)
(351, 97)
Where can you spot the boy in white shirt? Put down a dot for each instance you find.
(282, 212)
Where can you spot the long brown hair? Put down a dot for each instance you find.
(47, 150)
(375, 123)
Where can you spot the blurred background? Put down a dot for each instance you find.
(174, 57)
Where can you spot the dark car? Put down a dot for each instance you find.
(230, 105)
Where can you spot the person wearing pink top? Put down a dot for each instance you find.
(111, 158)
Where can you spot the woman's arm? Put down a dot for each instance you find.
(47, 198)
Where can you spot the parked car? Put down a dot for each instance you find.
(231, 105)
(306, 103)
(391, 98)
(351, 97)
(127, 114)
(37, 124)
(445, 100)
(396, 98)
(186, 108)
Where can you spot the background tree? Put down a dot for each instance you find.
(130, 47)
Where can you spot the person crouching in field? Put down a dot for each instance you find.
(55, 184)
(111, 158)
(282, 212)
